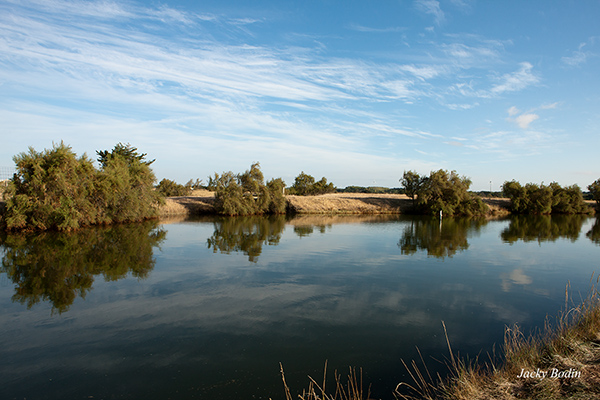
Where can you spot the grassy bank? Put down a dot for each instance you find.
(198, 203)
(202, 202)
(561, 362)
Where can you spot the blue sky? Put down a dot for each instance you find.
(355, 91)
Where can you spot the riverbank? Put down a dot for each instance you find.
(562, 362)
(202, 202)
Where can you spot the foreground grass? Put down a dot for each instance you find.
(560, 362)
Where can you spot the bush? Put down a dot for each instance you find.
(169, 188)
(444, 191)
(246, 194)
(542, 199)
(594, 189)
(305, 185)
(54, 189)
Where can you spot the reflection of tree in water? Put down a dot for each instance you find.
(246, 234)
(58, 267)
(543, 228)
(439, 239)
(307, 230)
(594, 233)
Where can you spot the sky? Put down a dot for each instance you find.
(354, 91)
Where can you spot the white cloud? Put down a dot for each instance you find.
(524, 120)
(516, 81)
(391, 29)
(513, 111)
(548, 106)
(431, 7)
(578, 57)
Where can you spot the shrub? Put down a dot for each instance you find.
(447, 192)
(129, 186)
(305, 185)
(54, 189)
(246, 194)
(169, 188)
(542, 199)
(594, 189)
(411, 182)
(51, 190)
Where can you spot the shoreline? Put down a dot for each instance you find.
(202, 203)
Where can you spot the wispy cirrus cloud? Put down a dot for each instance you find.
(581, 55)
(516, 81)
(431, 7)
(200, 80)
(369, 29)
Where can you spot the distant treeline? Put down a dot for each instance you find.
(54, 189)
(371, 189)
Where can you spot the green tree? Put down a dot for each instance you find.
(303, 184)
(125, 152)
(125, 186)
(594, 189)
(541, 199)
(448, 192)
(276, 188)
(322, 187)
(54, 189)
(169, 188)
(517, 195)
(247, 194)
(411, 183)
(567, 200)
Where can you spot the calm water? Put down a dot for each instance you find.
(208, 308)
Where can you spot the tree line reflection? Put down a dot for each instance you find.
(439, 238)
(246, 234)
(59, 267)
(544, 228)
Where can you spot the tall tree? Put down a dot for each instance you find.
(411, 182)
(594, 189)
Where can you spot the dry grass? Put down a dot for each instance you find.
(498, 206)
(352, 390)
(350, 203)
(367, 203)
(570, 345)
(202, 202)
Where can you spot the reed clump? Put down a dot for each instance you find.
(352, 389)
(560, 362)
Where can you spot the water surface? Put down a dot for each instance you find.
(208, 308)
